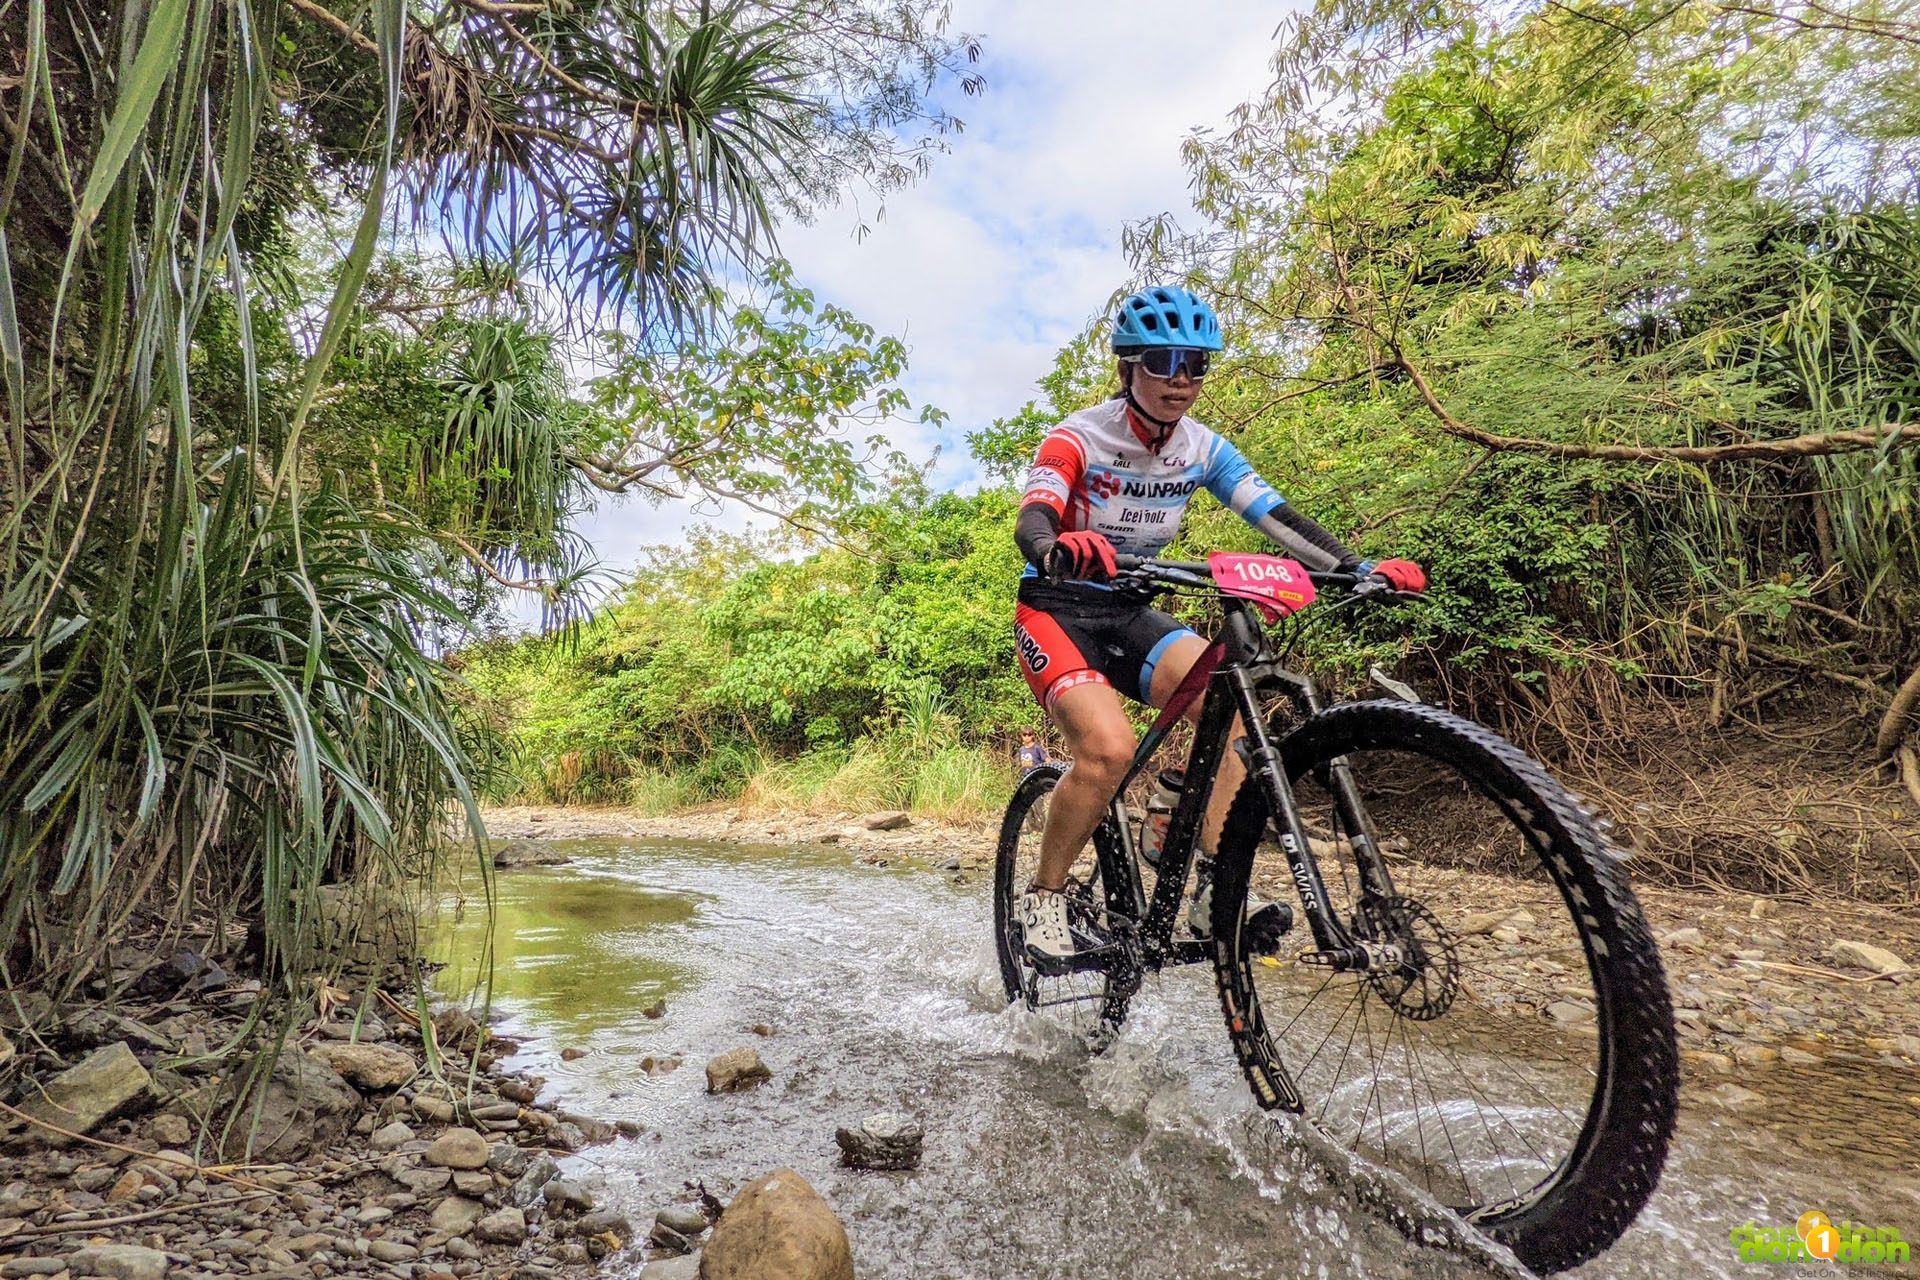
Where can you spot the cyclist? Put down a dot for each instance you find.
(1116, 478)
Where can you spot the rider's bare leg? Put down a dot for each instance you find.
(1167, 675)
(1099, 738)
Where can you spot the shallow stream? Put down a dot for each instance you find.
(879, 989)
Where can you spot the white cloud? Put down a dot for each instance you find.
(1009, 246)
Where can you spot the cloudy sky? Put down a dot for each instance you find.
(1012, 243)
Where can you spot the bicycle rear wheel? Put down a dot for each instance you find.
(1092, 1003)
(1520, 1063)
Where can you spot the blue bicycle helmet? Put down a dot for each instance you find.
(1164, 316)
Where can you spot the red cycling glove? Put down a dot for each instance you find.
(1405, 575)
(1083, 554)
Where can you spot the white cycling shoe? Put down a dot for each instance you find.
(1266, 921)
(1043, 923)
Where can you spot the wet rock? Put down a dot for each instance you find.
(629, 1128)
(685, 1267)
(612, 1222)
(119, 1262)
(507, 1226)
(566, 1137)
(571, 1054)
(540, 1171)
(566, 1196)
(665, 1237)
(778, 1226)
(1864, 955)
(886, 820)
(306, 1105)
(521, 1091)
(1734, 1098)
(454, 1215)
(658, 1009)
(888, 1140)
(510, 854)
(736, 1069)
(458, 1148)
(82, 1097)
(688, 1222)
(170, 1130)
(388, 1137)
(370, 1066)
(455, 1028)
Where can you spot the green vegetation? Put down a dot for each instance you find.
(1607, 313)
(262, 459)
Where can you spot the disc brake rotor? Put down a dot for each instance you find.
(1423, 985)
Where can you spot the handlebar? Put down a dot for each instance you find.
(1195, 573)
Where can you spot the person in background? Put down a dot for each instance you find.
(1030, 752)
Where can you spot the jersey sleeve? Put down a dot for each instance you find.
(1231, 478)
(1059, 469)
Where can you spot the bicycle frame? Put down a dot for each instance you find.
(1232, 672)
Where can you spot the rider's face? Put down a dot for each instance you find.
(1164, 398)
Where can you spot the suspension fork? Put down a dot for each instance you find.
(1375, 880)
(1265, 765)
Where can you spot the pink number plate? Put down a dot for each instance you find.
(1278, 586)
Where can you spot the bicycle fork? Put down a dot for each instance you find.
(1335, 946)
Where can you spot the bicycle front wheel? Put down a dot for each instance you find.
(1518, 1060)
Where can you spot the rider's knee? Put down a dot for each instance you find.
(1105, 756)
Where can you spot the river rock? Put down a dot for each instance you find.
(778, 1226)
(15, 1268)
(887, 820)
(119, 1262)
(1734, 1098)
(888, 1140)
(392, 1251)
(1568, 1012)
(1864, 955)
(458, 1148)
(306, 1105)
(390, 1136)
(1483, 922)
(507, 1226)
(455, 1214)
(433, 1110)
(685, 1267)
(509, 854)
(170, 1130)
(565, 1195)
(690, 1223)
(370, 1066)
(736, 1069)
(82, 1097)
(1794, 1057)
(540, 1170)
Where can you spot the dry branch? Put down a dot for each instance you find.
(1893, 725)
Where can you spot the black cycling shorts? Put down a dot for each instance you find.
(1070, 635)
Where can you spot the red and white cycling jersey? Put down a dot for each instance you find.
(1098, 472)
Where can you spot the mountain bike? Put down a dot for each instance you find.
(1476, 1001)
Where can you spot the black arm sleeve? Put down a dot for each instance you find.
(1312, 545)
(1036, 529)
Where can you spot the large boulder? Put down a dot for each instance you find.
(363, 924)
(305, 1105)
(82, 1097)
(778, 1226)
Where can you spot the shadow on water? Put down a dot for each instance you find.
(867, 988)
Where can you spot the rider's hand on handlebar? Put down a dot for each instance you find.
(1401, 575)
(1082, 554)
